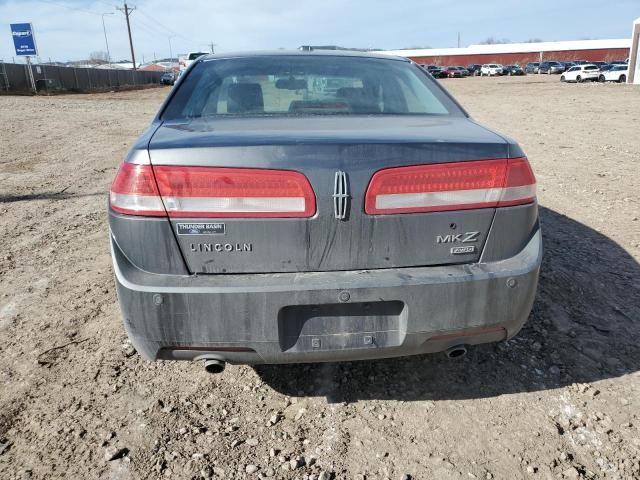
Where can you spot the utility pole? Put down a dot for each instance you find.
(458, 39)
(127, 11)
(211, 45)
(170, 48)
(104, 29)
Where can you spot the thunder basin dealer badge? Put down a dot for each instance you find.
(201, 228)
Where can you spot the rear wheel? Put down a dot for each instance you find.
(579, 79)
(601, 79)
(622, 79)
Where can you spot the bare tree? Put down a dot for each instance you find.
(494, 41)
(99, 57)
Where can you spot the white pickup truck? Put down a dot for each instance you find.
(188, 59)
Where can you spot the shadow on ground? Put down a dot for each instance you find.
(584, 327)
(61, 195)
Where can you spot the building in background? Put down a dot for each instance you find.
(521, 53)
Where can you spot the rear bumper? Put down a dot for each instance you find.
(326, 316)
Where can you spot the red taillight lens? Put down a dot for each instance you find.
(211, 192)
(134, 192)
(450, 186)
(520, 184)
(234, 192)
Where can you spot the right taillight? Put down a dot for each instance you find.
(451, 186)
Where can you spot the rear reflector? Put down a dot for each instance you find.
(211, 192)
(451, 186)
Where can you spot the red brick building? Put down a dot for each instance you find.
(521, 53)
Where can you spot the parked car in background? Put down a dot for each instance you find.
(452, 72)
(581, 62)
(599, 64)
(512, 70)
(567, 65)
(168, 78)
(436, 71)
(617, 73)
(474, 69)
(490, 69)
(242, 230)
(581, 73)
(550, 67)
(532, 67)
(463, 71)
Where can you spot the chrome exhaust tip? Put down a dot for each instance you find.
(457, 351)
(213, 365)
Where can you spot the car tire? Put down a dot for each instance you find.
(579, 79)
(622, 79)
(563, 79)
(601, 79)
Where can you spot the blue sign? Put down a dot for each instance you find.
(23, 39)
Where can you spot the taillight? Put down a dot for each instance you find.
(134, 191)
(234, 192)
(211, 192)
(451, 186)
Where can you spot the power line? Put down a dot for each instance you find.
(164, 27)
(50, 2)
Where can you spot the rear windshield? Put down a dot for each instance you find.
(307, 85)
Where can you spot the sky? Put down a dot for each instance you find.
(72, 29)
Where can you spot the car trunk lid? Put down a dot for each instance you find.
(339, 156)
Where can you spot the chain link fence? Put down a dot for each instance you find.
(50, 78)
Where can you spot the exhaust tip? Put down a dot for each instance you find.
(456, 351)
(213, 365)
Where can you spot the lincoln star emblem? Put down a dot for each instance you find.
(340, 196)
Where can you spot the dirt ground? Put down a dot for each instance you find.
(560, 400)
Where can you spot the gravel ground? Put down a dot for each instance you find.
(561, 400)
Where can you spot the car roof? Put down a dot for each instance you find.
(302, 53)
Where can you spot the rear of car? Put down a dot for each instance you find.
(589, 72)
(581, 73)
(167, 78)
(532, 67)
(474, 69)
(512, 70)
(320, 207)
(551, 67)
(452, 72)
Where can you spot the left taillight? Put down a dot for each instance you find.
(211, 192)
(134, 192)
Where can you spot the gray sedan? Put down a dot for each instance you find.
(320, 206)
